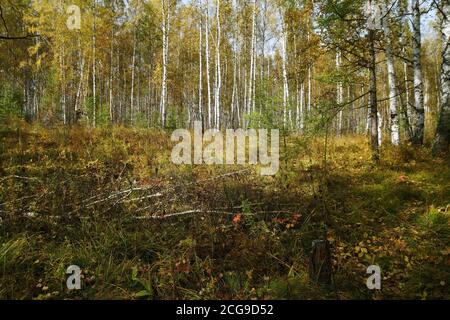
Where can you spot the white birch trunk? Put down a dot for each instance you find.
(309, 88)
(374, 138)
(284, 66)
(133, 64)
(419, 117)
(200, 73)
(208, 81)
(218, 71)
(252, 61)
(302, 106)
(442, 137)
(393, 107)
(380, 128)
(80, 83)
(340, 94)
(94, 75)
(111, 77)
(165, 31)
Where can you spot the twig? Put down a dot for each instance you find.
(19, 177)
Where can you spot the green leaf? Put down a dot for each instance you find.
(142, 293)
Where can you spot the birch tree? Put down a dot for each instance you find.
(133, 68)
(200, 71)
(234, 94)
(111, 76)
(165, 57)
(94, 61)
(393, 93)
(284, 68)
(340, 93)
(374, 138)
(419, 111)
(218, 78)
(208, 81)
(442, 137)
(250, 100)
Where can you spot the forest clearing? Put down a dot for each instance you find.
(224, 150)
(107, 200)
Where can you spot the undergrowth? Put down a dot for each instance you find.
(97, 198)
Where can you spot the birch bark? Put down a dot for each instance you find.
(419, 112)
(442, 137)
(393, 107)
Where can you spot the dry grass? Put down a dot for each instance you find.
(83, 196)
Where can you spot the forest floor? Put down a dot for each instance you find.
(105, 199)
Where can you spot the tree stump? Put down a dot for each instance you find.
(320, 269)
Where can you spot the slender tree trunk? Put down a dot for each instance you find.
(264, 83)
(200, 73)
(238, 81)
(442, 137)
(255, 62)
(234, 89)
(302, 106)
(63, 85)
(340, 94)
(80, 86)
(380, 129)
(309, 88)
(310, 67)
(419, 116)
(165, 54)
(133, 68)
(374, 143)
(299, 107)
(407, 106)
(284, 66)
(218, 70)
(393, 107)
(252, 61)
(208, 81)
(94, 61)
(111, 78)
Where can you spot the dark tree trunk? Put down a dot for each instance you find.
(320, 269)
(373, 99)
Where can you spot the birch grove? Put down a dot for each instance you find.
(300, 66)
